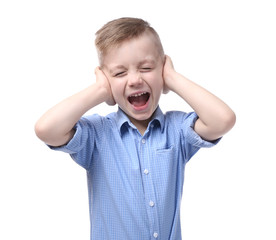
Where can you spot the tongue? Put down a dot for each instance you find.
(139, 101)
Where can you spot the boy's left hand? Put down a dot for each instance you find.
(168, 71)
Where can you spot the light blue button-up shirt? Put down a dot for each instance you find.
(135, 182)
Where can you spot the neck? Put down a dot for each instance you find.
(141, 125)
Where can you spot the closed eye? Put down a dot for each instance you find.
(119, 74)
(146, 69)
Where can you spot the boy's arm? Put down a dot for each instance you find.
(55, 127)
(215, 117)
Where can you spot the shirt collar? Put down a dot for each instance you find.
(122, 120)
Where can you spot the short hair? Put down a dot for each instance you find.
(115, 32)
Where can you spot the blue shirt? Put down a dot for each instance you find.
(135, 182)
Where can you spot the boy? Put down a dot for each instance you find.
(135, 158)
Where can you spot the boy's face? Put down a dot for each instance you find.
(134, 70)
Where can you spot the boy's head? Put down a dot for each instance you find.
(132, 57)
(117, 31)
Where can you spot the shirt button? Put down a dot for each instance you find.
(151, 203)
(155, 235)
(146, 171)
(143, 140)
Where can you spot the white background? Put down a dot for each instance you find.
(47, 53)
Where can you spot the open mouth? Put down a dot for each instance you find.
(139, 100)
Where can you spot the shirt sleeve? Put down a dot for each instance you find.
(191, 140)
(82, 145)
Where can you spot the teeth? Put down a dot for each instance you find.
(138, 95)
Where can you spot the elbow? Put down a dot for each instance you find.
(44, 131)
(52, 136)
(228, 121)
(41, 131)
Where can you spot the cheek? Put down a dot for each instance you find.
(157, 82)
(117, 90)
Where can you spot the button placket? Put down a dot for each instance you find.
(148, 186)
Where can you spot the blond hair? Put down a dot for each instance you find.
(115, 32)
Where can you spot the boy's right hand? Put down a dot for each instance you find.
(103, 81)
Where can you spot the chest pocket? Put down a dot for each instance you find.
(165, 150)
(164, 157)
(167, 171)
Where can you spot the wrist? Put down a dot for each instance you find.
(171, 81)
(104, 93)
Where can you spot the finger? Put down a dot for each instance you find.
(97, 69)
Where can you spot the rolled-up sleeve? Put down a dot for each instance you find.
(192, 141)
(81, 146)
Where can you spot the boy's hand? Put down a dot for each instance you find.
(168, 71)
(103, 81)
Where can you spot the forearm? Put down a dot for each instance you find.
(55, 127)
(215, 117)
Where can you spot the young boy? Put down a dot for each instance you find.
(135, 158)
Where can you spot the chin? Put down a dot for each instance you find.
(145, 116)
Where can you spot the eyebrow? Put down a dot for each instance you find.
(151, 61)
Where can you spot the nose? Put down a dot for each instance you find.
(135, 79)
